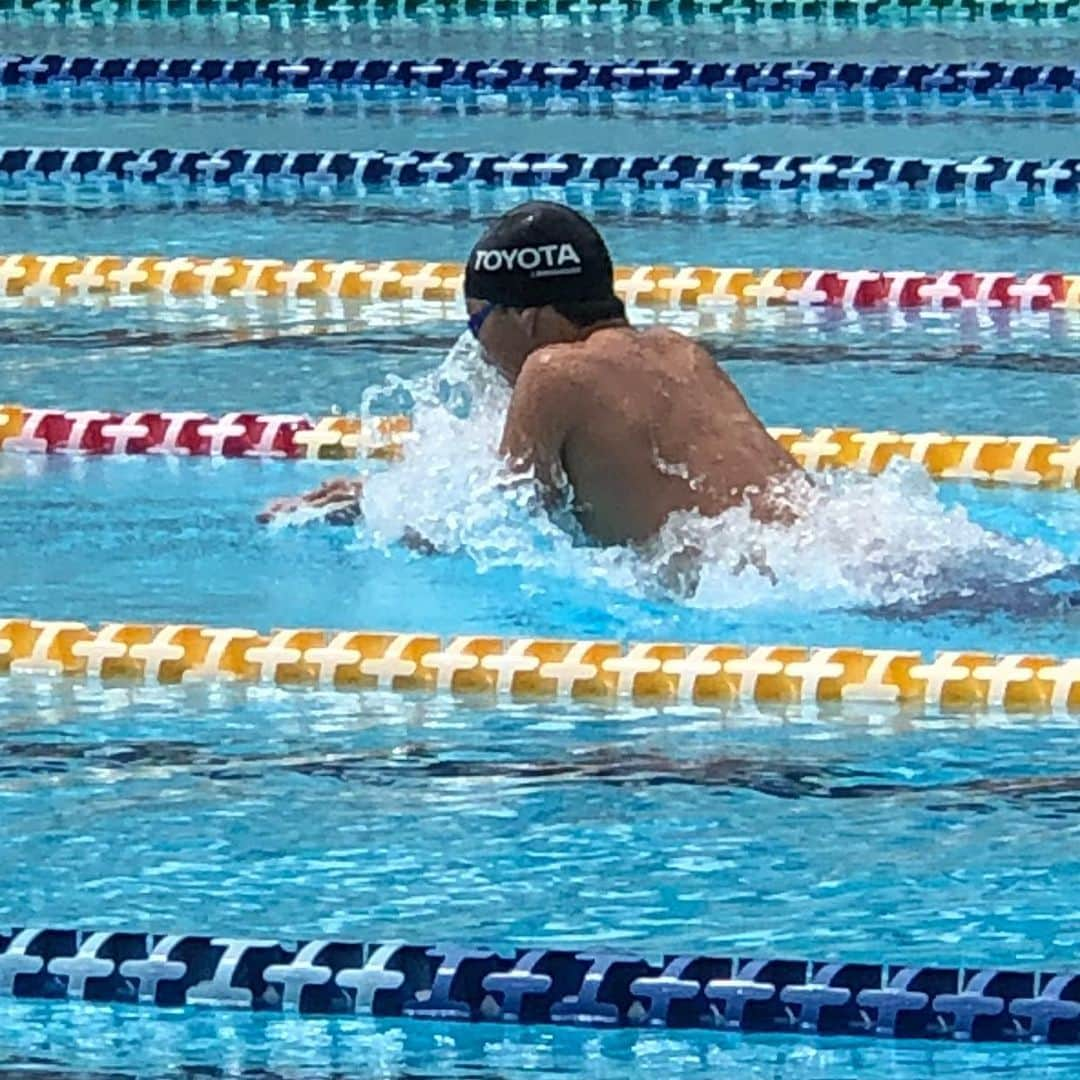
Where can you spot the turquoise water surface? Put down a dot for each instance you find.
(866, 832)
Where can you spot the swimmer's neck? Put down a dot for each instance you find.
(618, 322)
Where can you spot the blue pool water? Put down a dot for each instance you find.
(836, 233)
(862, 832)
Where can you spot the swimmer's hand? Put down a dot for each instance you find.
(756, 558)
(336, 502)
(417, 542)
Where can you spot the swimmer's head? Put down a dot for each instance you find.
(540, 275)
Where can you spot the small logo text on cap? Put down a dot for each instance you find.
(545, 258)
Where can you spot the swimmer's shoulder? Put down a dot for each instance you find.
(556, 364)
(581, 363)
(677, 352)
(658, 350)
(551, 382)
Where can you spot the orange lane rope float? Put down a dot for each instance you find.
(537, 668)
(51, 278)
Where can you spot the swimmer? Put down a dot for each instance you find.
(628, 425)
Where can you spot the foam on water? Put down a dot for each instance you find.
(858, 541)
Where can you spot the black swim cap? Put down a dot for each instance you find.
(540, 253)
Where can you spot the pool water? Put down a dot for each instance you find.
(268, 812)
(985, 233)
(862, 832)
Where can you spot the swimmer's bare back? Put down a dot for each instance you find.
(642, 423)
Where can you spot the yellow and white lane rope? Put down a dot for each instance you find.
(1017, 460)
(537, 668)
(52, 278)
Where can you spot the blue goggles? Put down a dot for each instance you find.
(478, 318)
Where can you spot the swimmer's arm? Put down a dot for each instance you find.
(538, 424)
(336, 502)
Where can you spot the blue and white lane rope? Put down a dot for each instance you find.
(515, 82)
(284, 13)
(257, 172)
(543, 986)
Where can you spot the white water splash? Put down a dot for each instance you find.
(858, 541)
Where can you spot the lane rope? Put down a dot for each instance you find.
(613, 13)
(250, 173)
(536, 668)
(738, 84)
(542, 985)
(197, 434)
(1017, 460)
(52, 278)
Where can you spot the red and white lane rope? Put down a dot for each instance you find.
(1019, 460)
